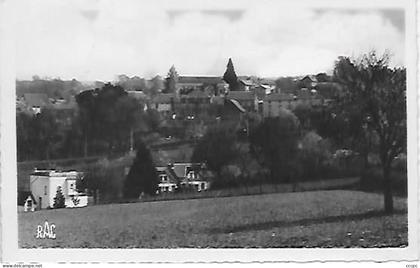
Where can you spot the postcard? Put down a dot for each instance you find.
(208, 131)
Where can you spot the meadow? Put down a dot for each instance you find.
(335, 218)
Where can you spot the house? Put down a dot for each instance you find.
(193, 176)
(274, 103)
(309, 81)
(35, 102)
(262, 90)
(246, 85)
(164, 103)
(167, 180)
(247, 99)
(44, 185)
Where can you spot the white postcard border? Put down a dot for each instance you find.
(11, 252)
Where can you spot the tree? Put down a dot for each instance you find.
(59, 200)
(313, 152)
(156, 85)
(322, 77)
(171, 80)
(102, 179)
(217, 149)
(274, 144)
(108, 116)
(230, 76)
(142, 177)
(376, 94)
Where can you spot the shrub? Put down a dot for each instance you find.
(142, 177)
(59, 200)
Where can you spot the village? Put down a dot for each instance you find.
(190, 102)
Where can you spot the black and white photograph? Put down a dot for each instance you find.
(180, 125)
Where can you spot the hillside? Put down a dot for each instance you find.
(307, 219)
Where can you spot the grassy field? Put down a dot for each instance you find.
(307, 219)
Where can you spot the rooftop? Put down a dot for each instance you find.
(200, 80)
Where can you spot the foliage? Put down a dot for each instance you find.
(313, 154)
(53, 88)
(104, 177)
(142, 177)
(322, 77)
(59, 200)
(275, 145)
(107, 115)
(39, 136)
(230, 76)
(134, 83)
(171, 80)
(375, 95)
(155, 87)
(217, 148)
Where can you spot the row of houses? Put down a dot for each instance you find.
(44, 184)
(251, 101)
(184, 177)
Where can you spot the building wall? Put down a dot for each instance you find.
(38, 185)
(164, 107)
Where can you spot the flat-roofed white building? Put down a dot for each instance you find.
(45, 183)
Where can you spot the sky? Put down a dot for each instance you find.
(100, 39)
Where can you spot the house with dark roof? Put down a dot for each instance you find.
(308, 81)
(168, 181)
(193, 176)
(184, 176)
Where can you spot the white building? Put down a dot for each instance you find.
(45, 183)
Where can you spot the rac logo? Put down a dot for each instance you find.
(46, 231)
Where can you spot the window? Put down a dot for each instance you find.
(45, 190)
(163, 178)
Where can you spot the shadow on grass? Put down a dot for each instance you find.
(302, 222)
